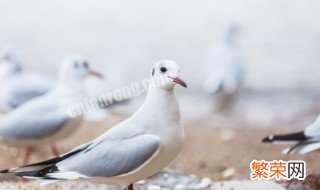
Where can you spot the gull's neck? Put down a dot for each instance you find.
(70, 91)
(157, 95)
(163, 103)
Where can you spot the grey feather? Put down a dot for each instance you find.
(33, 121)
(18, 98)
(22, 87)
(104, 160)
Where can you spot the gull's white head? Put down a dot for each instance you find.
(10, 61)
(166, 74)
(76, 68)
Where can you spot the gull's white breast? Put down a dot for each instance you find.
(161, 119)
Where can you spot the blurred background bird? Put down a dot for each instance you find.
(17, 85)
(133, 150)
(303, 142)
(48, 118)
(223, 67)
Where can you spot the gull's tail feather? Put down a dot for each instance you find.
(35, 171)
(42, 170)
(38, 166)
(38, 173)
(288, 138)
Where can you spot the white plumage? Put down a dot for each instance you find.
(134, 149)
(46, 119)
(17, 85)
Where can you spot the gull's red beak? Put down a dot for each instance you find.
(179, 81)
(96, 74)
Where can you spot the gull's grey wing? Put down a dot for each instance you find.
(33, 121)
(25, 87)
(110, 158)
(18, 98)
(121, 150)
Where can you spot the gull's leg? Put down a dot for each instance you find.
(54, 150)
(130, 187)
(27, 153)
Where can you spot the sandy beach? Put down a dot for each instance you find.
(279, 41)
(211, 148)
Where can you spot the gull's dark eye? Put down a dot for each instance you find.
(86, 64)
(163, 69)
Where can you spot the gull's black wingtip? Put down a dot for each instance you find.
(4, 171)
(297, 137)
(268, 139)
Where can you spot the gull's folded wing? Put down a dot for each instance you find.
(106, 159)
(33, 121)
(111, 158)
(27, 86)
